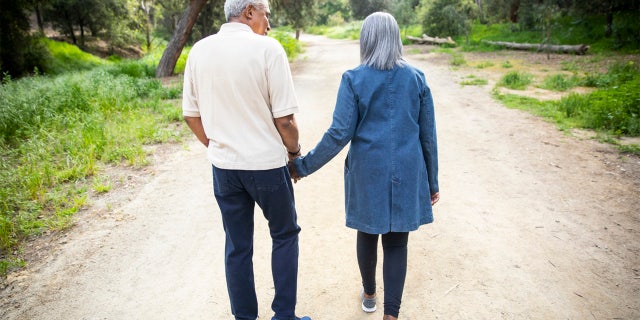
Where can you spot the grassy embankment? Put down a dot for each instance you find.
(611, 78)
(59, 131)
(609, 81)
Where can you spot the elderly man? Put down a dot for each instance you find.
(239, 101)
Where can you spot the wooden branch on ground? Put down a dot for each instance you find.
(577, 49)
(426, 39)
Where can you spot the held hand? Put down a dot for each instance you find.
(293, 172)
(435, 197)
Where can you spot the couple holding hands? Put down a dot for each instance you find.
(239, 101)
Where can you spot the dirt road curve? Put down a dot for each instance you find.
(532, 224)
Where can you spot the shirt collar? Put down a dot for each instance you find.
(235, 26)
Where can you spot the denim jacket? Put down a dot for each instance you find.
(391, 168)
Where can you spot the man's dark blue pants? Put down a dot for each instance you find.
(237, 192)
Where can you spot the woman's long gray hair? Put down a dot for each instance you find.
(233, 8)
(380, 44)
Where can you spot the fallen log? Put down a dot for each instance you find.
(426, 39)
(579, 49)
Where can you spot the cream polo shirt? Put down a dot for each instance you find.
(237, 82)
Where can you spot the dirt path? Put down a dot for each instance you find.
(532, 224)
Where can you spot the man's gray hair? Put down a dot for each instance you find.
(380, 43)
(233, 8)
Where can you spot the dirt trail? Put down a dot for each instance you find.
(532, 224)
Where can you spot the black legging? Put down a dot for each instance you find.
(394, 266)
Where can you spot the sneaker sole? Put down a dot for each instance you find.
(369, 310)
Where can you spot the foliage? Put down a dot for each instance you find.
(614, 108)
(516, 80)
(88, 16)
(332, 12)
(209, 22)
(55, 132)
(66, 57)
(445, 18)
(349, 30)
(405, 11)
(291, 46)
(20, 52)
(559, 82)
(297, 13)
(362, 8)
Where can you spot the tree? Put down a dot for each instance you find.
(179, 39)
(297, 13)
(446, 18)
(87, 16)
(209, 21)
(405, 11)
(362, 8)
(331, 11)
(610, 9)
(19, 51)
(143, 17)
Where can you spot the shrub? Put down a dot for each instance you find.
(290, 44)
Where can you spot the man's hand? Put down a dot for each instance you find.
(292, 171)
(195, 124)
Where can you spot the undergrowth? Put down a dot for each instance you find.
(57, 131)
(612, 109)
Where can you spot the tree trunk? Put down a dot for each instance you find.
(39, 19)
(297, 34)
(608, 31)
(577, 49)
(479, 4)
(179, 39)
(513, 11)
(70, 28)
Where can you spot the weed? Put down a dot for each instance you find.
(559, 82)
(507, 64)
(516, 80)
(457, 59)
(473, 81)
(485, 64)
(56, 130)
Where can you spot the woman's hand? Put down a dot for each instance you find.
(435, 197)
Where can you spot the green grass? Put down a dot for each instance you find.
(565, 30)
(474, 81)
(56, 132)
(66, 57)
(516, 80)
(485, 64)
(457, 59)
(559, 82)
(613, 109)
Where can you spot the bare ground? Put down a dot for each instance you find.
(533, 223)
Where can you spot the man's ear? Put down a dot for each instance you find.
(248, 11)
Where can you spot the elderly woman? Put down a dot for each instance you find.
(384, 108)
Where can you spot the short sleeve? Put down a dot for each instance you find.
(189, 90)
(281, 91)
